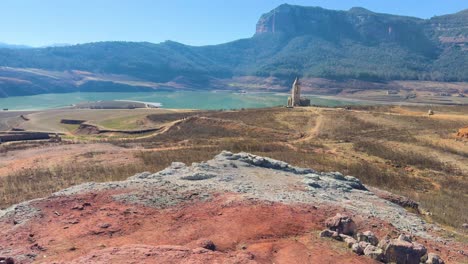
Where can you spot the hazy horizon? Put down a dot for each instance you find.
(197, 23)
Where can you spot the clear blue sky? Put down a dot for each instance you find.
(194, 22)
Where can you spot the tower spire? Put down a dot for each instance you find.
(296, 93)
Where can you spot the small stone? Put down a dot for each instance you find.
(311, 176)
(198, 176)
(369, 237)
(337, 236)
(357, 249)
(326, 233)
(384, 242)
(350, 241)
(207, 244)
(434, 259)
(105, 225)
(342, 224)
(226, 153)
(200, 250)
(373, 252)
(404, 237)
(314, 184)
(74, 222)
(80, 206)
(5, 260)
(177, 165)
(337, 175)
(345, 236)
(363, 244)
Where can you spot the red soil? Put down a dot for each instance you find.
(93, 228)
(243, 232)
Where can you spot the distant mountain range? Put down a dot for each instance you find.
(12, 46)
(290, 41)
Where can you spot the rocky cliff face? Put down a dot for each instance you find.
(356, 24)
(294, 20)
(365, 25)
(440, 41)
(235, 208)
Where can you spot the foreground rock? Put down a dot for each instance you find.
(368, 237)
(342, 224)
(4, 260)
(374, 252)
(403, 251)
(434, 259)
(235, 208)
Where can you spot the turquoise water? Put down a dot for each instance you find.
(180, 100)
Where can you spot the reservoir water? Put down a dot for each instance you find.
(180, 100)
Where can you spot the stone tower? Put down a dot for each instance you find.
(295, 98)
(296, 93)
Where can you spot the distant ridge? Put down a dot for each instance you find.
(13, 46)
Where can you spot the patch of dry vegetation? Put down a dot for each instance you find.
(266, 118)
(461, 151)
(343, 125)
(403, 157)
(449, 204)
(33, 183)
(163, 118)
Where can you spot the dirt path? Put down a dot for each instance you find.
(314, 132)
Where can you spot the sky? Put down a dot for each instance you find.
(193, 22)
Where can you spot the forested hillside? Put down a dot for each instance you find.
(289, 41)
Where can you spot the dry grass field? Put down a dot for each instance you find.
(109, 118)
(396, 148)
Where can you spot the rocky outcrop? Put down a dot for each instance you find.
(235, 207)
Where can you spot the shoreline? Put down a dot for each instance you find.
(341, 99)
